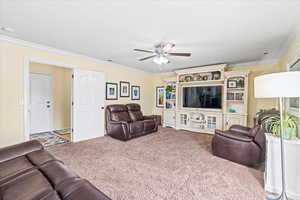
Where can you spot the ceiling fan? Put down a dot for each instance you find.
(161, 52)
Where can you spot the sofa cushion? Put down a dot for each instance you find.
(134, 111)
(80, 189)
(149, 125)
(136, 115)
(56, 172)
(136, 127)
(28, 186)
(40, 157)
(119, 112)
(13, 167)
(14, 151)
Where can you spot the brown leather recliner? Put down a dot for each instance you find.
(240, 144)
(125, 122)
(28, 172)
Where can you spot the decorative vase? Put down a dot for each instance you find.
(289, 133)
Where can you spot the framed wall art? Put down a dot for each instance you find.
(232, 84)
(111, 91)
(160, 93)
(135, 92)
(124, 89)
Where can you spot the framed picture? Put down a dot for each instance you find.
(124, 89)
(216, 75)
(230, 96)
(231, 84)
(160, 91)
(111, 91)
(135, 92)
(239, 96)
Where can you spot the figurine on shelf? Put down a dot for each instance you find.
(231, 110)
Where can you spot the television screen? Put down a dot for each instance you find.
(202, 97)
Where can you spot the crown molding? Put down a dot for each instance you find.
(5, 38)
(258, 62)
(165, 73)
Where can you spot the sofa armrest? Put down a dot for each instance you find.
(118, 129)
(234, 136)
(156, 118)
(241, 129)
(149, 117)
(14, 151)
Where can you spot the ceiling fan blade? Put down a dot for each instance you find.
(142, 50)
(142, 59)
(179, 54)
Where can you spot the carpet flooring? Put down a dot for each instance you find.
(167, 165)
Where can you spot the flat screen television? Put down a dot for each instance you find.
(202, 97)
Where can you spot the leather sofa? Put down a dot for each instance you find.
(28, 172)
(125, 122)
(240, 144)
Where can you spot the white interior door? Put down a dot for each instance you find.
(40, 111)
(88, 107)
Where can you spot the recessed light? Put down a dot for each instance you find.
(7, 29)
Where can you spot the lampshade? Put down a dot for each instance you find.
(283, 84)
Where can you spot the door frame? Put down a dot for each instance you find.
(51, 95)
(25, 102)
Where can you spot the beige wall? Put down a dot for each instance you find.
(12, 88)
(12, 85)
(61, 82)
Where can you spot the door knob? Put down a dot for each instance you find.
(48, 106)
(102, 107)
(48, 102)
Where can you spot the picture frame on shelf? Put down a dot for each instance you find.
(230, 96)
(160, 93)
(239, 96)
(135, 92)
(232, 84)
(124, 89)
(111, 91)
(216, 75)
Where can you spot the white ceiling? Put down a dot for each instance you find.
(214, 31)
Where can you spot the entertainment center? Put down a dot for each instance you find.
(203, 99)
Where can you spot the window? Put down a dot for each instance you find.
(293, 103)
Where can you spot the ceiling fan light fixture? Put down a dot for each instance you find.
(167, 47)
(160, 60)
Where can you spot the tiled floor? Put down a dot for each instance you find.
(50, 138)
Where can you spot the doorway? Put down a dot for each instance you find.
(50, 89)
(86, 101)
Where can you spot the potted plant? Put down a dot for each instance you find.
(169, 90)
(272, 125)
